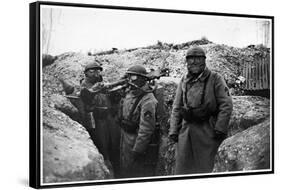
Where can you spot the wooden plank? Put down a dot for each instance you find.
(246, 77)
(255, 75)
(243, 71)
(260, 74)
(249, 76)
(263, 75)
(266, 75)
(268, 70)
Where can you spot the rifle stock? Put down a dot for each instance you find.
(88, 94)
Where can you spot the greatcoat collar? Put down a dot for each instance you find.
(202, 77)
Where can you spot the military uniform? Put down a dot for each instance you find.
(102, 127)
(137, 138)
(210, 103)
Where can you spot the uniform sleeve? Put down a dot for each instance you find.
(146, 125)
(225, 106)
(176, 118)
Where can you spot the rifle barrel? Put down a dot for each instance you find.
(114, 84)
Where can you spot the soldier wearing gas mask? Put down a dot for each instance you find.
(137, 122)
(200, 115)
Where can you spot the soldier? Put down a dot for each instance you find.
(200, 115)
(137, 122)
(98, 119)
(93, 75)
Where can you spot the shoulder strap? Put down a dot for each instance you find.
(204, 88)
(135, 105)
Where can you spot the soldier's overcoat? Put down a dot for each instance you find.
(144, 116)
(197, 144)
(102, 128)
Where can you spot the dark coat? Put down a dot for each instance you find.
(102, 127)
(138, 141)
(197, 143)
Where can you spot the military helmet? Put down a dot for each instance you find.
(137, 70)
(92, 65)
(195, 52)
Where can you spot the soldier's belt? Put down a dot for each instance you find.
(196, 119)
(195, 115)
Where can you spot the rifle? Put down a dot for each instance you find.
(79, 101)
(111, 87)
(88, 94)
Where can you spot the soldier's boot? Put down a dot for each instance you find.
(110, 168)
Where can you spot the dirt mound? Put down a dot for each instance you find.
(68, 152)
(248, 150)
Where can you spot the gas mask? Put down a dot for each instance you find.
(195, 65)
(136, 81)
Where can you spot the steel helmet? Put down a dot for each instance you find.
(137, 70)
(92, 65)
(195, 52)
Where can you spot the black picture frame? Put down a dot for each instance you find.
(35, 144)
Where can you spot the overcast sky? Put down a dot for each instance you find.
(84, 29)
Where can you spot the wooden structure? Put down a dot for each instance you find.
(257, 74)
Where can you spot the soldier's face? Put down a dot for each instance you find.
(195, 65)
(92, 73)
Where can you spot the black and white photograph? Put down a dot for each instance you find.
(132, 94)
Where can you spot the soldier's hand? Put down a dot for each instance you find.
(220, 135)
(97, 86)
(173, 138)
(186, 113)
